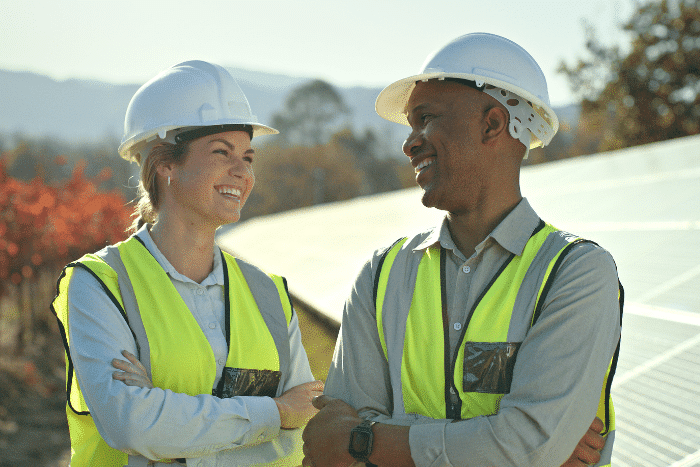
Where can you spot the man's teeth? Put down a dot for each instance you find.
(225, 190)
(424, 164)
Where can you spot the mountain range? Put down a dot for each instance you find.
(83, 111)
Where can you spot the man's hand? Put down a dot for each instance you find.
(587, 451)
(327, 436)
(133, 372)
(295, 404)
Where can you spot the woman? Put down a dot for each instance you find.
(210, 370)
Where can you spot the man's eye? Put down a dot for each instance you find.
(248, 158)
(425, 117)
(221, 151)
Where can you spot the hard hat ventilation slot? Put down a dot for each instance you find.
(522, 116)
(207, 113)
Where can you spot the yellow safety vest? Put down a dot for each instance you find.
(181, 358)
(480, 372)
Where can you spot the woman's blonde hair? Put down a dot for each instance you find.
(148, 204)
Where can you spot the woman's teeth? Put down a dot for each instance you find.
(229, 191)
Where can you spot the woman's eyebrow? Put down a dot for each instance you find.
(220, 140)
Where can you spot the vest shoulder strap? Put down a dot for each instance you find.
(381, 278)
(259, 283)
(551, 275)
(273, 300)
(131, 307)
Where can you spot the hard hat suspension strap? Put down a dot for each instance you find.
(190, 135)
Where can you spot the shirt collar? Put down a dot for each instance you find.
(512, 233)
(515, 230)
(216, 277)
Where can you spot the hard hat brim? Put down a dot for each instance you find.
(392, 100)
(128, 151)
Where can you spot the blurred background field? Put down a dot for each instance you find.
(64, 191)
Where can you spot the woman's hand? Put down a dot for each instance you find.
(295, 404)
(587, 451)
(133, 372)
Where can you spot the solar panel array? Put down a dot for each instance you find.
(642, 204)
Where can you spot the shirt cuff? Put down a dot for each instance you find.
(427, 443)
(264, 420)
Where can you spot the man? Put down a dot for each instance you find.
(434, 323)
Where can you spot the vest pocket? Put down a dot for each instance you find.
(488, 366)
(247, 382)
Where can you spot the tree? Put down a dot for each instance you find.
(45, 226)
(312, 113)
(653, 93)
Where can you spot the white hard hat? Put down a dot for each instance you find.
(184, 97)
(501, 68)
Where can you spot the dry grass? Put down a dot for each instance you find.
(318, 337)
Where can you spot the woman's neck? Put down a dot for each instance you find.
(188, 248)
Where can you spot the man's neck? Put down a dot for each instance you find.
(469, 229)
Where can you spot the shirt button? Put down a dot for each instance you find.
(458, 326)
(200, 291)
(466, 269)
(212, 325)
(222, 361)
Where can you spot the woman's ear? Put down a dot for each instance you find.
(496, 121)
(164, 169)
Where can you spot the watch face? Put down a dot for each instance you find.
(359, 441)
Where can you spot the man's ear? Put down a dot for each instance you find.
(496, 120)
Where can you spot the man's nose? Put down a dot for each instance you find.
(413, 143)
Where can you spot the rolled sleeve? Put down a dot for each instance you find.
(299, 368)
(427, 442)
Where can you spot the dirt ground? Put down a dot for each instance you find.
(33, 427)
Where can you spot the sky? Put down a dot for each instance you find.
(363, 42)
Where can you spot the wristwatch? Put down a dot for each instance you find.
(361, 438)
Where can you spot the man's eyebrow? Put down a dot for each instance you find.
(415, 109)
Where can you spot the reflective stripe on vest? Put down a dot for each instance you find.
(180, 357)
(481, 370)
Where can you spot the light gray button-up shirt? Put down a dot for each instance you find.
(565, 357)
(161, 424)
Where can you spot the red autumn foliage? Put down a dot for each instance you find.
(44, 226)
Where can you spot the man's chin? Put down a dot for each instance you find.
(429, 199)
